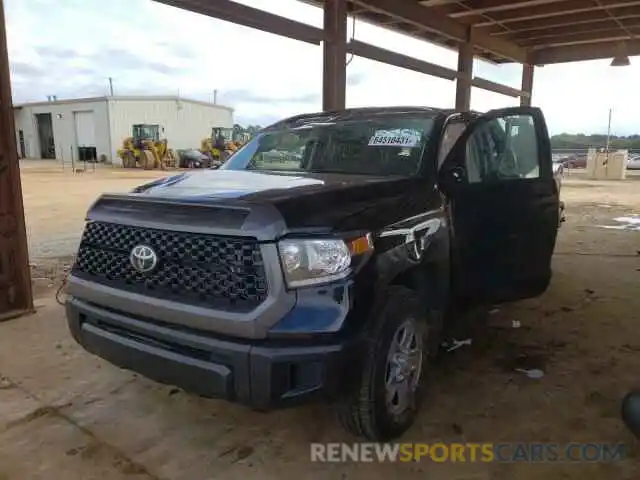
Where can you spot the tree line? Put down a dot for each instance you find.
(570, 141)
(250, 129)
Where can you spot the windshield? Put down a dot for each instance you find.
(384, 146)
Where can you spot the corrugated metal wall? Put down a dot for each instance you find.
(186, 123)
(64, 127)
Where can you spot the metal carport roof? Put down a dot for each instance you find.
(527, 31)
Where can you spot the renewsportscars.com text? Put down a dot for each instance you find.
(467, 452)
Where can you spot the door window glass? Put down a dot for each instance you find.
(452, 132)
(503, 149)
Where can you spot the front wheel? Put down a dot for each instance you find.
(388, 392)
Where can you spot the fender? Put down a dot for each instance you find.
(416, 252)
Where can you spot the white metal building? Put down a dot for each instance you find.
(59, 129)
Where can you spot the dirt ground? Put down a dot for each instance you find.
(66, 414)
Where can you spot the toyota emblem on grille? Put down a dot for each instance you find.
(143, 258)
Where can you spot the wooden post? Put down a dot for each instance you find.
(16, 295)
(334, 76)
(527, 84)
(465, 75)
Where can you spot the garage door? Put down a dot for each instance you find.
(85, 129)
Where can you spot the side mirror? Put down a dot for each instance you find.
(452, 176)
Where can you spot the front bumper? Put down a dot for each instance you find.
(263, 375)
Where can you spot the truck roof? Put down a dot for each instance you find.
(355, 114)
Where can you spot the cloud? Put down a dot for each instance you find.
(248, 96)
(26, 69)
(119, 59)
(179, 51)
(55, 53)
(261, 120)
(355, 79)
(116, 59)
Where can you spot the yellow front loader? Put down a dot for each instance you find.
(145, 149)
(212, 146)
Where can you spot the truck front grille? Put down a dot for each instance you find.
(218, 272)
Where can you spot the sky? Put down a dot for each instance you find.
(70, 48)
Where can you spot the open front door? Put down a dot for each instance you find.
(504, 206)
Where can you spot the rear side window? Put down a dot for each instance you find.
(503, 149)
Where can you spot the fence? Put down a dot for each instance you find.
(580, 152)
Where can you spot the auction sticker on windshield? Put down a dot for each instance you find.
(394, 140)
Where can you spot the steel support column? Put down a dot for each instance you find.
(15, 279)
(334, 77)
(465, 77)
(527, 84)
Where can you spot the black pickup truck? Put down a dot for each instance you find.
(322, 261)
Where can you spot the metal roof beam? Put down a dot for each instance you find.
(583, 18)
(251, 17)
(487, 6)
(402, 10)
(437, 3)
(417, 15)
(596, 36)
(498, 88)
(430, 19)
(577, 53)
(389, 57)
(564, 7)
(580, 28)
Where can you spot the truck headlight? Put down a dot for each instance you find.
(313, 262)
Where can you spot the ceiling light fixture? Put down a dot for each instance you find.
(621, 58)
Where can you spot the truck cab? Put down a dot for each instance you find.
(321, 261)
(142, 132)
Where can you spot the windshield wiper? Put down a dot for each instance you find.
(331, 171)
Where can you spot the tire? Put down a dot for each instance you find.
(128, 160)
(365, 409)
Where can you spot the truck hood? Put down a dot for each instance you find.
(264, 205)
(309, 200)
(204, 185)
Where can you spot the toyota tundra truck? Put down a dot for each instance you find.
(323, 260)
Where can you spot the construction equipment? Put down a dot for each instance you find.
(219, 145)
(145, 149)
